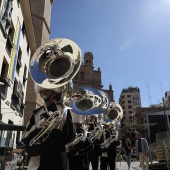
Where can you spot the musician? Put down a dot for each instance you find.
(95, 153)
(109, 153)
(51, 153)
(78, 156)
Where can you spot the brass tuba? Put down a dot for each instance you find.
(53, 66)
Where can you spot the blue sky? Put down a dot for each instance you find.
(129, 39)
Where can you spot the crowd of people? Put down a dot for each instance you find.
(52, 154)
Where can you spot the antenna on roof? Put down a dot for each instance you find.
(149, 97)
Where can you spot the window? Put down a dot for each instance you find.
(15, 87)
(4, 69)
(21, 111)
(18, 2)
(136, 97)
(14, 98)
(128, 96)
(4, 79)
(5, 17)
(9, 44)
(135, 102)
(130, 107)
(129, 101)
(130, 112)
(17, 97)
(19, 65)
(25, 75)
(23, 30)
(28, 47)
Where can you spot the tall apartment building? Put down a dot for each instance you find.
(129, 99)
(17, 43)
(87, 76)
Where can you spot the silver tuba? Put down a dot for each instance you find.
(53, 66)
(111, 118)
(114, 114)
(86, 101)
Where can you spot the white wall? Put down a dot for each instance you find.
(7, 112)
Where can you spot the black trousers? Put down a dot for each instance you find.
(57, 161)
(79, 163)
(94, 159)
(105, 161)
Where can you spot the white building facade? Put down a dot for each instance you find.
(17, 44)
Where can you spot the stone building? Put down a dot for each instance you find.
(41, 14)
(87, 76)
(129, 99)
(17, 44)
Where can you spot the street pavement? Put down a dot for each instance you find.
(123, 166)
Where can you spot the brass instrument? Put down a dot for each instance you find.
(79, 137)
(86, 101)
(112, 117)
(114, 114)
(109, 140)
(53, 66)
(97, 132)
(56, 121)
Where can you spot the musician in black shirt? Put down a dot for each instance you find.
(50, 153)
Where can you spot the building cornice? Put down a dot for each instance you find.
(44, 20)
(25, 6)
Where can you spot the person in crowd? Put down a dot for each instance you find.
(109, 153)
(128, 148)
(49, 152)
(96, 152)
(78, 153)
(142, 151)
